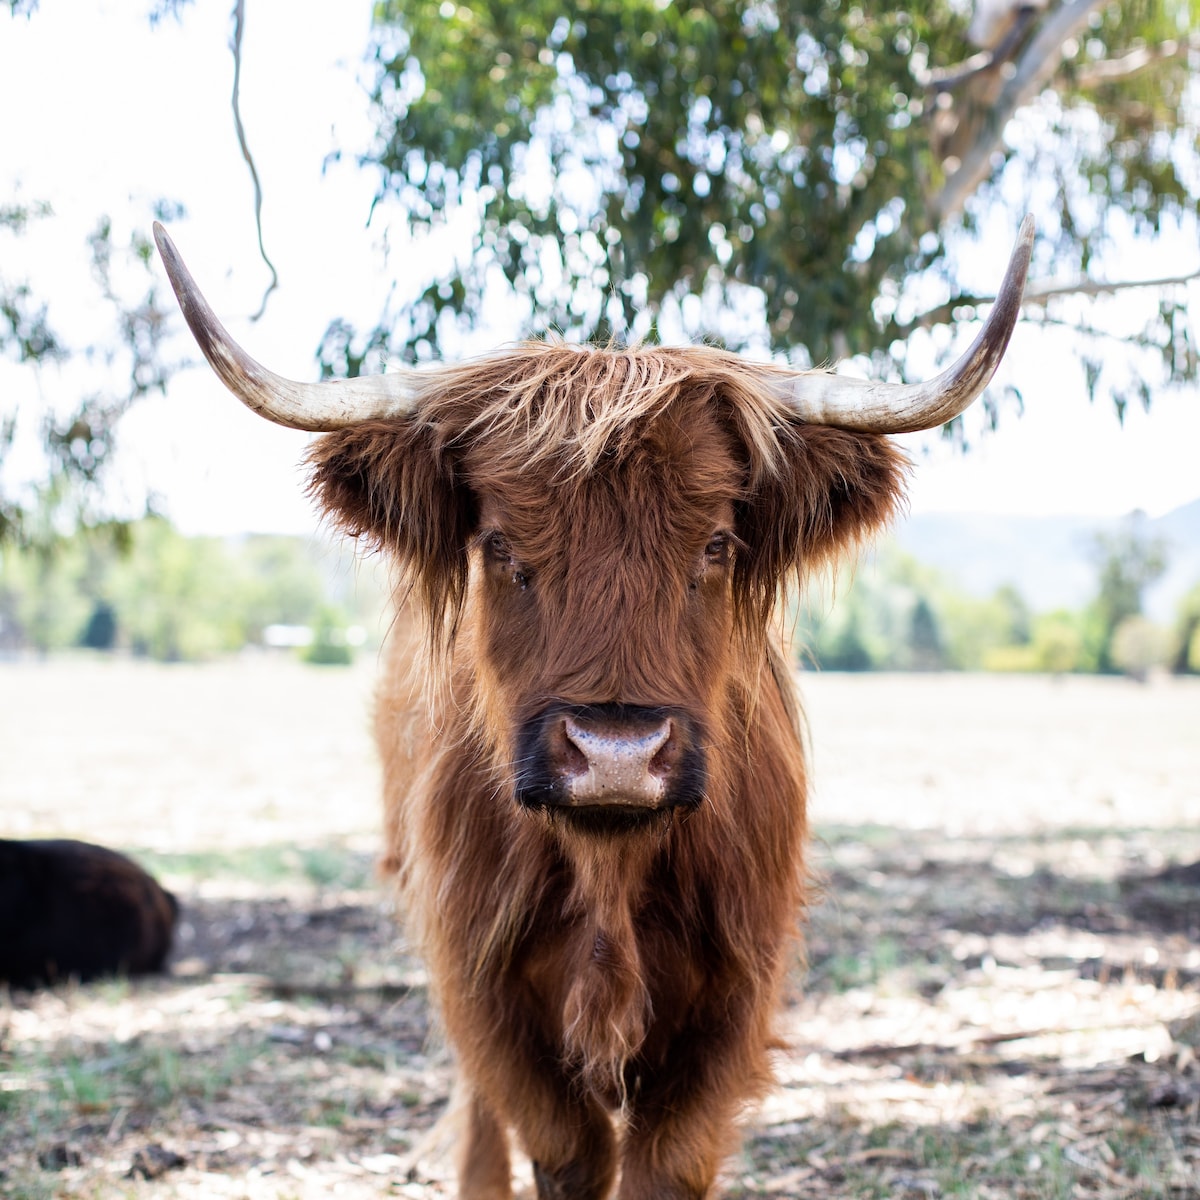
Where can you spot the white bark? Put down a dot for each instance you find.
(1031, 72)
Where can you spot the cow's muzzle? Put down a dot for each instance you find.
(609, 763)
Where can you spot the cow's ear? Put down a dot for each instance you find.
(393, 483)
(829, 490)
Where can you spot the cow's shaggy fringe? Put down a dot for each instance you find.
(552, 511)
(572, 405)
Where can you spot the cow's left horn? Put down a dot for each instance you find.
(824, 399)
(317, 407)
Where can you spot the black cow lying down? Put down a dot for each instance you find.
(71, 910)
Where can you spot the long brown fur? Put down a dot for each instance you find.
(580, 974)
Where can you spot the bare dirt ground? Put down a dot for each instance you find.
(1002, 995)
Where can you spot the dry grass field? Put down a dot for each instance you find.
(1002, 995)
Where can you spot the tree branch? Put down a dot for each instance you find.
(1036, 294)
(1113, 70)
(239, 20)
(1093, 287)
(1036, 67)
(946, 79)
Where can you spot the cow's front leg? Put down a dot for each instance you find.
(677, 1159)
(484, 1170)
(683, 1121)
(570, 1142)
(573, 1150)
(519, 1083)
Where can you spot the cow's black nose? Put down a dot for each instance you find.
(623, 761)
(609, 756)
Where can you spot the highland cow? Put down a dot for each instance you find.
(594, 777)
(73, 911)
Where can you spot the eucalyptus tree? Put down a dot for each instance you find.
(803, 178)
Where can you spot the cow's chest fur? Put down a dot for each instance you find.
(613, 965)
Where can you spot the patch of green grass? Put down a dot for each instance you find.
(157, 1075)
(49, 1090)
(25, 1186)
(86, 1084)
(333, 1114)
(880, 961)
(114, 990)
(161, 1077)
(875, 837)
(1138, 1155)
(327, 865)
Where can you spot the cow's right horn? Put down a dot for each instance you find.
(317, 407)
(821, 398)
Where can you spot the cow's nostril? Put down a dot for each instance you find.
(605, 743)
(666, 758)
(567, 758)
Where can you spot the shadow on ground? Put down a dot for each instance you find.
(1015, 1018)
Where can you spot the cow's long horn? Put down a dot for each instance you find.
(824, 399)
(317, 407)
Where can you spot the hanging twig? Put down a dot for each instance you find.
(239, 18)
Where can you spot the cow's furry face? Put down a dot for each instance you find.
(601, 615)
(598, 539)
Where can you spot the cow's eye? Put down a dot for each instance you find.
(497, 550)
(717, 552)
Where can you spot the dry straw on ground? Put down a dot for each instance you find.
(1002, 996)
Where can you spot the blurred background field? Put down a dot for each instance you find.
(263, 748)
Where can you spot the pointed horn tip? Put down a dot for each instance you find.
(167, 252)
(1019, 260)
(1023, 250)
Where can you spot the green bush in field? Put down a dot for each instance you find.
(155, 593)
(1058, 644)
(897, 614)
(176, 597)
(1185, 654)
(281, 583)
(894, 613)
(1128, 561)
(330, 646)
(40, 605)
(100, 632)
(1138, 646)
(1056, 647)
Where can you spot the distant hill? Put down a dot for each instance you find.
(1048, 559)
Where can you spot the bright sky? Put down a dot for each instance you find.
(105, 115)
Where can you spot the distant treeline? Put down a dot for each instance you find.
(895, 614)
(146, 589)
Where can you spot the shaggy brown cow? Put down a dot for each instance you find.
(595, 797)
(71, 910)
